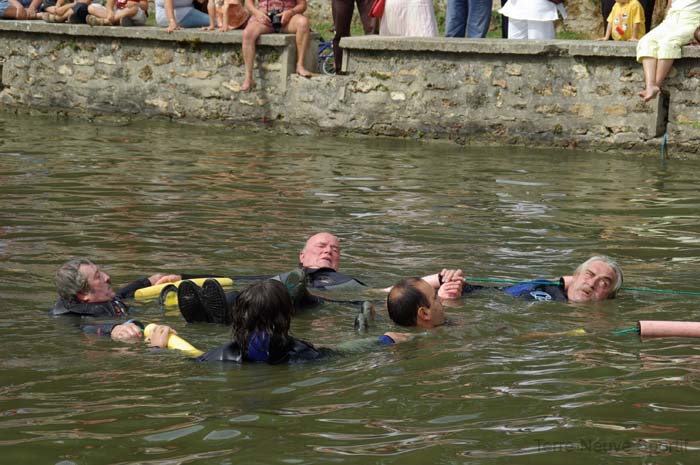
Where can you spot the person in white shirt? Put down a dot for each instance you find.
(409, 18)
(532, 19)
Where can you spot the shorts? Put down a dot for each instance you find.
(139, 19)
(4, 5)
(665, 40)
(80, 12)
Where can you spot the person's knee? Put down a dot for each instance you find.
(250, 34)
(20, 13)
(302, 23)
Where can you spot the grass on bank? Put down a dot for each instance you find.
(324, 28)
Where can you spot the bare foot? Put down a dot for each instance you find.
(301, 71)
(247, 85)
(649, 93)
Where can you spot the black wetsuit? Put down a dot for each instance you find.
(540, 290)
(294, 350)
(327, 279)
(323, 279)
(288, 351)
(114, 307)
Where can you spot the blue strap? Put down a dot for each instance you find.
(259, 347)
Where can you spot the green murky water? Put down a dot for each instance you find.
(154, 197)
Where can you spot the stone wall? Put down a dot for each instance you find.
(547, 93)
(561, 93)
(144, 70)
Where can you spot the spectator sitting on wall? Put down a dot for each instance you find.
(226, 14)
(19, 9)
(657, 50)
(62, 12)
(176, 14)
(275, 16)
(118, 13)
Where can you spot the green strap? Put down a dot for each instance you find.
(659, 291)
(510, 281)
(555, 283)
(634, 330)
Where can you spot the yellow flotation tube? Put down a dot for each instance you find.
(175, 342)
(154, 292)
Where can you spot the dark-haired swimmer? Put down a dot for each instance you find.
(419, 301)
(415, 302)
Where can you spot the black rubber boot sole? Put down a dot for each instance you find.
(215, 304)
(189, 300)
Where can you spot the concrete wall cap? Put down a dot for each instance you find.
(500, 46)
(145, 32)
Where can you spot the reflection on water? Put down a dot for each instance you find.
(146, 197)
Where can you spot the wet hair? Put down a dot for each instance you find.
(404, 300)
(263, 308)
(70, 281)
(612, 264)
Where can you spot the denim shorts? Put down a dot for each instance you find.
(4, 4)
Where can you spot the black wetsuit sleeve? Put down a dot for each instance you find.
(127, 292)
(355, 346)
(102, 329)
(200, 275)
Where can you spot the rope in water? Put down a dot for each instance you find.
(634, 330)
(636, 289)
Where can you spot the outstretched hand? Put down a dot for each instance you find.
(162, 278)
(452, 282)
(126, 332)
(159, 336)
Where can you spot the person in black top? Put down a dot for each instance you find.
(84, 289)
(598, 278)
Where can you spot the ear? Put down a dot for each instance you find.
(423, 313)
(81, 296)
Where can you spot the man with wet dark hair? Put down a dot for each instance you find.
(414, 302)
(418, 301)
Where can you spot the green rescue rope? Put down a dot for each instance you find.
(636, 289)
(634, 330)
